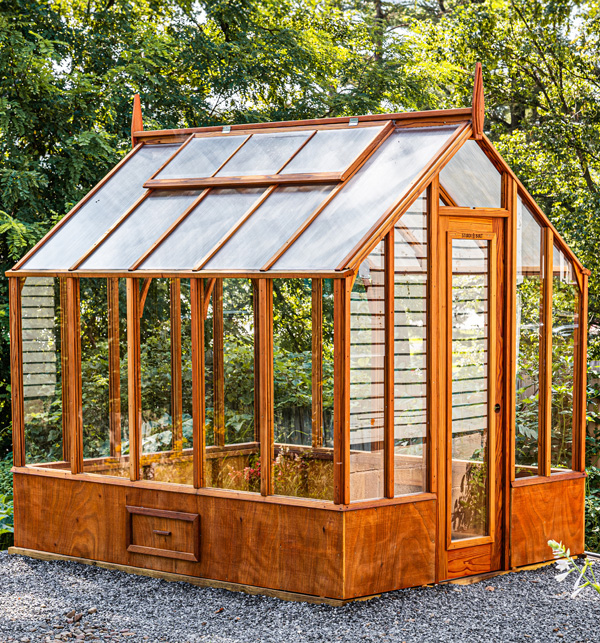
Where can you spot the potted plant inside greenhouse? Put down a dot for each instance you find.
(321, 359)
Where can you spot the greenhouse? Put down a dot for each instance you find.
(328, 358)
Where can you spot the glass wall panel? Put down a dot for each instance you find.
(95, 217)
(565, 324)
(43, 364)
(410, 350)
(529, 327)
(367, 353)
(233, 459)
(328, 363)
(469, 448)
(302, 466)
(185, 309)
(471, 180)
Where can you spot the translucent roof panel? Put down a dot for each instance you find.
(471, 180)
(201, 157)
(377, 186)
(101, 211)
(331, 150)
(200, 231)
(140, 230)
(269, 228)
(264, 154)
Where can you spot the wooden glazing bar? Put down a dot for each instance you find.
(75, 208)
(143, 294)
(74, 410)
(177, 151)
(264, 370)
(445, 197)
(210, 284)
(236, 226)
(176, 383)
(218, 367)
(64, 369)
(544, 437)
(579, 393)
(388, 392)
(300, 147)
(237, 149)
(112, 228)
(134, 377)
(198, 399)
(244, 181)
(492, 377)
(114, 367)
(359, 161)
(16, 372)
(167, 233)
(341, 391)
(317, 362)
(434, 337)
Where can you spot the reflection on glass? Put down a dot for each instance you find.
(367, 353)
(302, 467)
(471, 180)
(529, 324)
(410, 350)
(41, 316)
(470, 351)
(565, 324)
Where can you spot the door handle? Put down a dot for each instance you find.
(497, 408)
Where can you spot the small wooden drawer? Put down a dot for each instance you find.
(158, 532)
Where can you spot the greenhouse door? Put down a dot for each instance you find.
(472, 264)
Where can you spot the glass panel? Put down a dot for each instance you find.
(185, 310)
(367, 353)
(124, 367)
(234, 460)
(264, 154)
(410, 350)
(470, 345)
(328, 363)
(201, 157)
(529, 324)
(331, 150)
(269, 228)
(471, 180)
(41, 315)
(96, 216)
(565, 322)
(302, 467)
(101, 448)
(199, 232)
(140, 230)
(377, 186)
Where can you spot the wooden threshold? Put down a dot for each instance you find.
(192, 580)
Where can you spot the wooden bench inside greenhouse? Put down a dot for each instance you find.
(322, 359)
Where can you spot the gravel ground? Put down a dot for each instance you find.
(39, 601)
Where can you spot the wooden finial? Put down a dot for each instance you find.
(478, 103)
(137, 124)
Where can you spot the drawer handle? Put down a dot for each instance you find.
(160, 532)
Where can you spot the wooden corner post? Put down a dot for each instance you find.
(16, 372)
(388, 430)
(134, 377)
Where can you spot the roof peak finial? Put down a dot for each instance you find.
(137, 123)
(478, 103)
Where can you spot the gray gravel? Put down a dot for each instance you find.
(37, 600)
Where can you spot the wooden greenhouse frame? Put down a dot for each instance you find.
(428, 212)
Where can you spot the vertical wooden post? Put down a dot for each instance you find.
(388, 377)
(198, 399)
(176, 393)
(317, 362)
(264, 371)
(74, 409)
(16, 371)
(134, 377)
(341, 390)
(64, 368)
(114, 366)
(433, 338)
(218, 370)
(580, 381)
(544, 437)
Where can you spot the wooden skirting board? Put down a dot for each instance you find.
(182, 578)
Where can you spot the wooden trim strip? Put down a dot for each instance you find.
(354, 258)
(388, 392)
(359, 161)
(244, 181)
(555, 478)
(114, 367)
(445, 197)
(544, 448)
(75, 208)
(492, 376)
(317, 362)
(16, 372)
(176, 374)
(179, 149)
(450, 211)
(198, 374)
(75, 410)
(112, 228)
(134, 377)
(167, 233)
(236, 226)
(264, 367)
(433, 337)
(580, 396)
